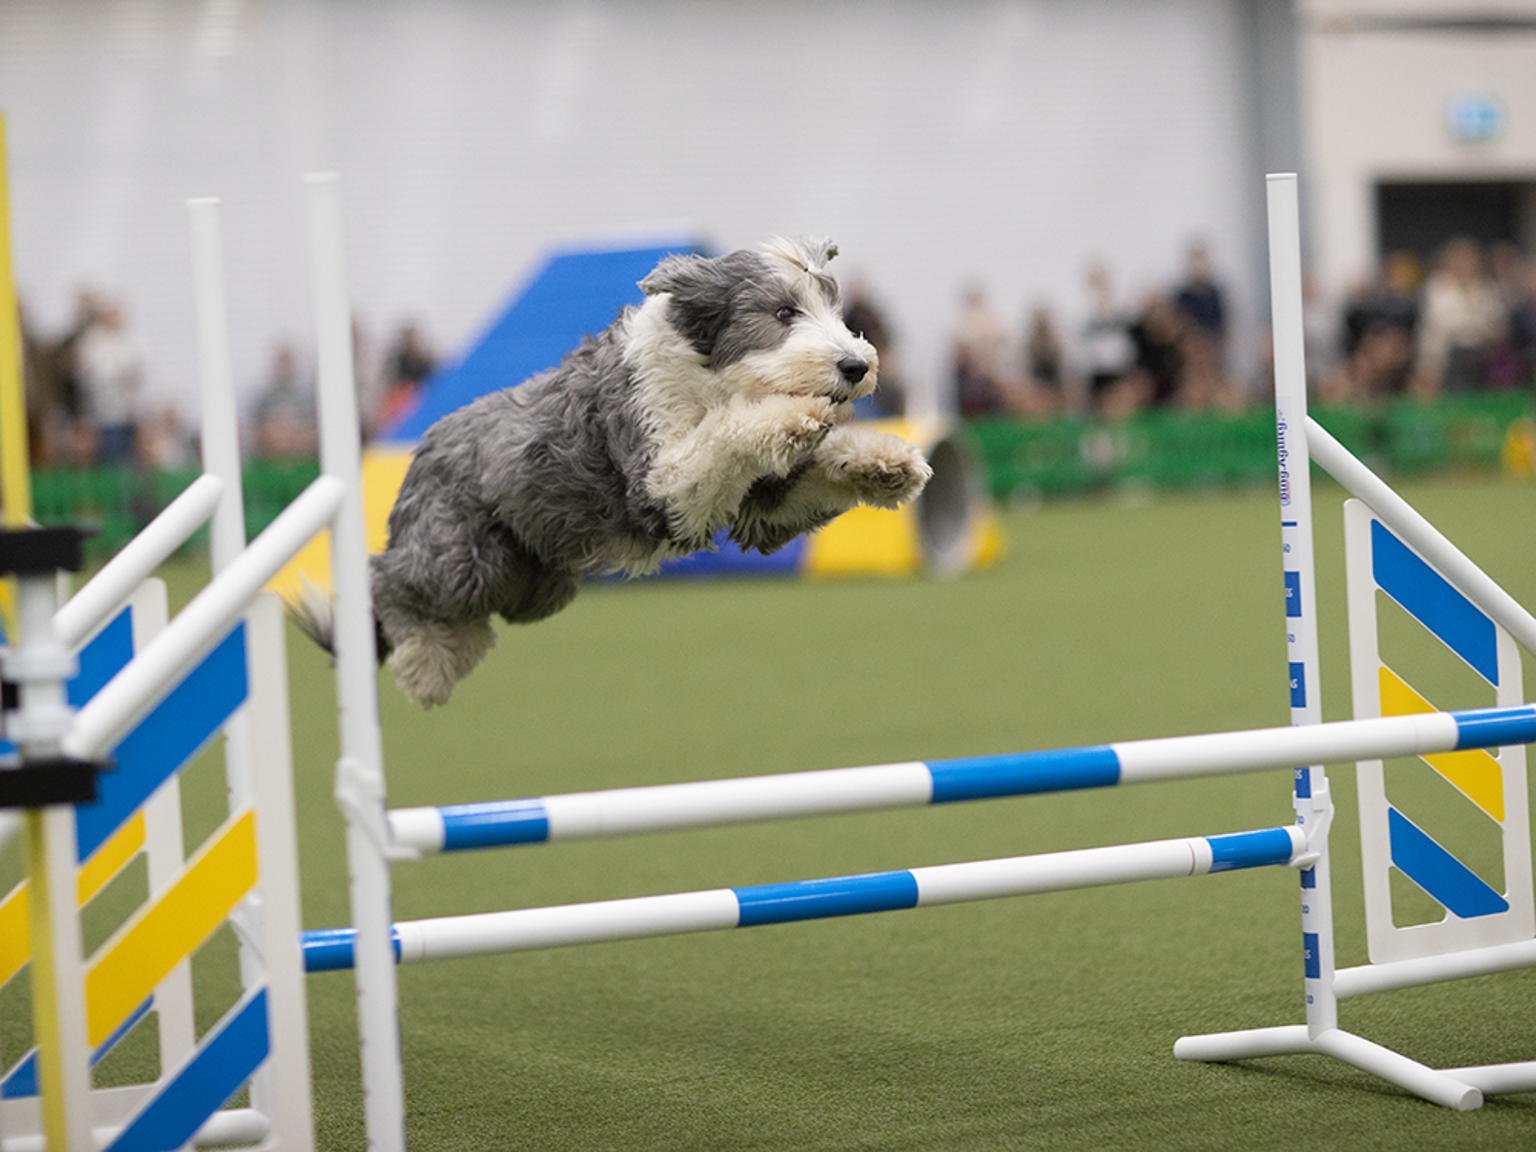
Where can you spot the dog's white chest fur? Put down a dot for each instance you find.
(711, 442)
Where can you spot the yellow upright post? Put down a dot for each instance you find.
(15, 478)
(50, 840)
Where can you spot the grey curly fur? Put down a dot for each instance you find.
(720, 403)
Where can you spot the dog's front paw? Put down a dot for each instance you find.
(791, 427)
(879, 469)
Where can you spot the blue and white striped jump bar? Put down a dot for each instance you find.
(622, 811)
(529, 929)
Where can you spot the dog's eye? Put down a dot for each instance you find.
(787, 314)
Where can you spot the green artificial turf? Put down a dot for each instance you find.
(1043, 1022)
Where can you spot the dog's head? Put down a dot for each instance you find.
(769, 320)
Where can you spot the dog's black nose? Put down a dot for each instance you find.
(853, 368)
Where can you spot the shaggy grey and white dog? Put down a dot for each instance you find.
(723, 401)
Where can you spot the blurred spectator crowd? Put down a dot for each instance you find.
(1169, 349)
(87, 403)
(1466, 322)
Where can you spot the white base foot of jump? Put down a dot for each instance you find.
(1458, 1088)
(231, 1126)
(1492, 1079)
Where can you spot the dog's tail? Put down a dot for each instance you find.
(315, 616)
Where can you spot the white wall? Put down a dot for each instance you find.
(1005, 141)
(1379, 76)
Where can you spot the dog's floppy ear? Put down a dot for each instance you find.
(702, 292)
(669, 274)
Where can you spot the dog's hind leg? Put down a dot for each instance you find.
(433, 656)
(540, 592)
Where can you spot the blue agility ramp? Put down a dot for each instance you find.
(573, 295)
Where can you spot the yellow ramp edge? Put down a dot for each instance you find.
(1474, 772)
(872, 541)
(865, 541)
(144, 950)
(384, 468)
(868, 541)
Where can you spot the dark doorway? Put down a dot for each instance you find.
(1421, 216)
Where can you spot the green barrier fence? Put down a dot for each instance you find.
(1171, 449)
(118, 502)
(1022, 459)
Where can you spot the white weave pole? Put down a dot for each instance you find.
(360, 770)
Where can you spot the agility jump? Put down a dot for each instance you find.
(149, 694)
(1305, 747)
(373, 945)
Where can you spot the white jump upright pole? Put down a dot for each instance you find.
(1314, 808)
(220, 426)
(360, 770)
(226, 539)
(1314, 805)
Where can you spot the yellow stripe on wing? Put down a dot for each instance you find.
(144, 950)
(1473, 772)
(97, 872)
